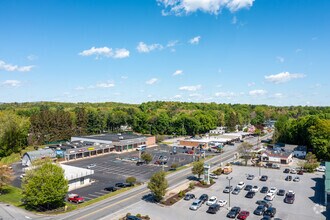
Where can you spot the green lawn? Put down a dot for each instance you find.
(11, 195)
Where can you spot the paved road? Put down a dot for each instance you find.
(106, 208)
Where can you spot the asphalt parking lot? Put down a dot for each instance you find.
(113, 168)
(309, 194)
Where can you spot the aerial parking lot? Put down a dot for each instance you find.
(114, 168)
(306, 206)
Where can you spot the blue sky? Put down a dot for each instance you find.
(225, 51)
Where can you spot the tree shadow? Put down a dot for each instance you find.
(149, 198)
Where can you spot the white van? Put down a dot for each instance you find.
(141, 147)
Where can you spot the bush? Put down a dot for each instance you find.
(138, 215)
(174, 166)
(147, 217)
(191, 185)
(218, 171)
(211, 181)
(203, 182)
(181, 194)
(131, 179)
(128, 214)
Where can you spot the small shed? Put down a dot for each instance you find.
(31, 156)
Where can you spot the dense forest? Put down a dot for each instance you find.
(23, 124)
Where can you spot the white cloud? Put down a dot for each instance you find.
(195, 95)
(258, 92)
(177, 97)
(251, 84)
(234, 20)
(190, 88)
(178, 72)
(149, 96)
(80, 88)
(280, 59)
(106, 52)
(278, 95)
(195, 40)
(121, 53)
(227, 95)
(144, 48)
(11, 68)
(32, 57)
(105, 85)
(152, 81)
(11, 83)
(283, 77)
(184, 7)
(172, 43)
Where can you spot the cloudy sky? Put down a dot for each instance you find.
(225, 51)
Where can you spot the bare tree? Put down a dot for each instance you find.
(245, 151)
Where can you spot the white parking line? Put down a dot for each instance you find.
(93, 195)
(99, 193)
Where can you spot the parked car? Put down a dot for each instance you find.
(289, 197)
(293, 171)
(190, 152)
(90, 166)
(228, 189)
(233, 212)
(255, 189)
(300, 172)
(321, 169)
(139, 163)
(260, 210)
(271, 211)
(276, 166)
(240, 185)
(222, 202)
(264, 178)
(212, 200)
(132, 217)
(213, 209)
(204, 198)
(286, 170)
(75, 198)
(243, 215)
(264, 189)
(248, 187)
(281, 192)
(189, 196)
(288, 178)
(236, 191)
(213, 176)
(250, 177)
(128, 184)
(269, 196)
(111, 188)
(296, 179)
(250, 195)
(141, 148)
(267, 204)
(272, 190)
(196, 204)
(120, 185)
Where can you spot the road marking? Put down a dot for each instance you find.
(113, 204)
(93, 195)
(99, 193)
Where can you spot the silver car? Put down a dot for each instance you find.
(196, 204)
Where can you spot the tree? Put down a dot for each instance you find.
(131, 179)
(311, 162)
(45, 186)
(174, 166)
(158, 185)
(198, 168)
(6, 176)
(146, 157)
(245, 151)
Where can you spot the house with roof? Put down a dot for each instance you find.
(31, 156)
(300, 151)
(277, 157)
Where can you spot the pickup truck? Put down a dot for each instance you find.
(75, 198)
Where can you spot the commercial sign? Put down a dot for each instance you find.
(71, 151)
(81, 150)
(90, 148)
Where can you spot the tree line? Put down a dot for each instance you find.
(23, 124)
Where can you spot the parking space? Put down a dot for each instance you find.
(305, 207)
(113, 168)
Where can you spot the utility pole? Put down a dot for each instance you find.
(229, 178)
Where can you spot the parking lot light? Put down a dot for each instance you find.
(229, 178)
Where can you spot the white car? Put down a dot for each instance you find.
(213, 176)
(212, 200)
(272, 190)
(91, 166)
(240, 185)
(255, 189)
(293, 171)
(321, 169)
(222, 203)
(269, 196)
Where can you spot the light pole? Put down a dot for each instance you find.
(229, 178)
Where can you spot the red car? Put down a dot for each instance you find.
(75, 198)
(190, 152)
(243, 215)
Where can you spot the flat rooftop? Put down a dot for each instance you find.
(113, 137)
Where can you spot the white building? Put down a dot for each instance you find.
(300, 151)
(276, 157)
(218, 130)
(77, 177)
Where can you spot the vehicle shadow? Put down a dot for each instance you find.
(318, 197)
